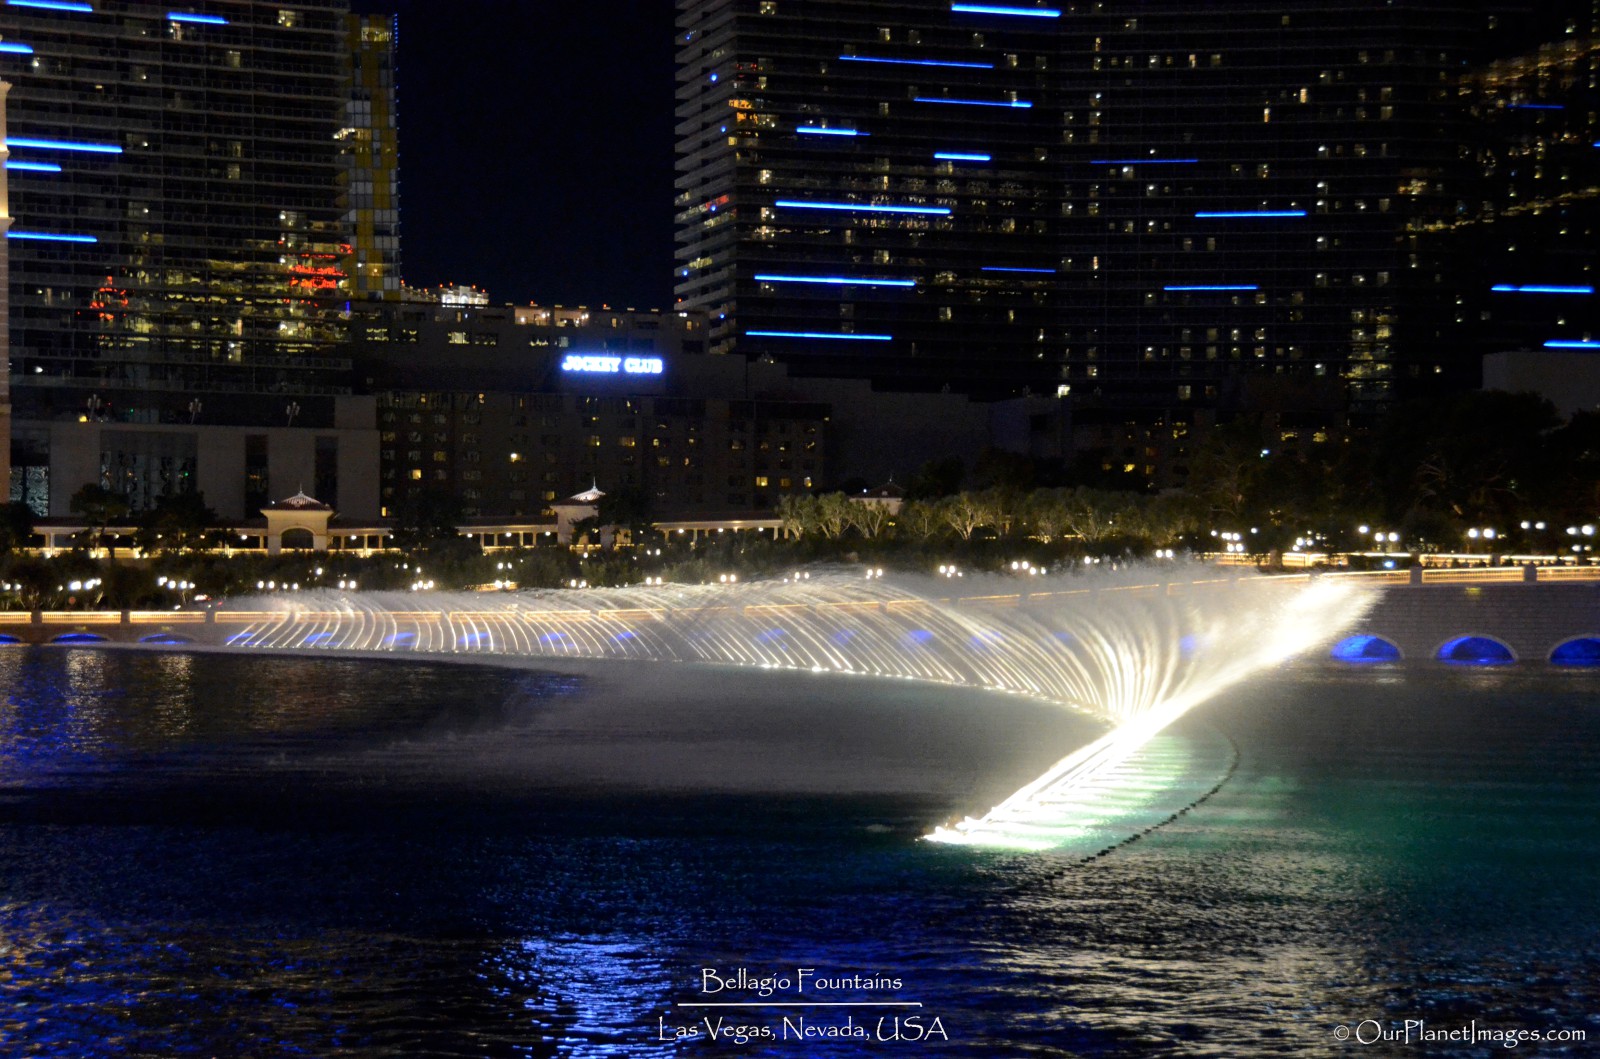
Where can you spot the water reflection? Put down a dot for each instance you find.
(1419, 848)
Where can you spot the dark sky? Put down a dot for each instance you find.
(536, 147)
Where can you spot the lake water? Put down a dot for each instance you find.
(223, 855)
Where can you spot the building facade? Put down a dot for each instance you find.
(1525, 241)
(510, 408)
(871, 191)
(1137, 204)
(180, 247)
(370, 144)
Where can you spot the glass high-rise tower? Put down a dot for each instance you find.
(176, 232)
(869, 189)
(191, 187)
(1148, 205)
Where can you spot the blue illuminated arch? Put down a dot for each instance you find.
(1475, 651)
(1365, 649)
(1581, 651)
(7, 638)
(80, 637)
(165, 638)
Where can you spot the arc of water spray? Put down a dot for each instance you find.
(1137, 655)
(1263, 637)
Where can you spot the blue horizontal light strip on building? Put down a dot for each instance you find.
(997, 268)
(52, 237)
(13, 48)
(187, 16)
(1215, 286)
(818, 130)
(1538, 288)
(818, 334)
(914, 62)
(854, 281)
(1251, 213)
(1143, 161)
(1019, 103)
(63, 145)
(1571, 343)
(1537, 106)
(861, 207)
(958, 156)
(33, 167)
(991, 9)
(53, 5)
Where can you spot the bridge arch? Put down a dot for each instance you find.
(1578, 651)
(1475, 649)
(80, 637)
(165, 638)
(7, 638)
(1365, 649)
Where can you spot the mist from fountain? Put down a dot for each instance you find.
(1136, 651)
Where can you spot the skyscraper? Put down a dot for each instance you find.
(370, 140)
(867, 189)
(1159, 206)
(186, 185)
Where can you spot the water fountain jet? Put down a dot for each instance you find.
(1137, 653)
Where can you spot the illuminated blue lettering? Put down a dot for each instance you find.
(605, 364)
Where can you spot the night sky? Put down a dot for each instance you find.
(536, 148)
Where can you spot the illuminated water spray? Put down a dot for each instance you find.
(1234, 642)
(1137, 654)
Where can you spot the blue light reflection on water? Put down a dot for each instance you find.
(1397, 843)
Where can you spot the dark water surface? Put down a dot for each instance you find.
(220, 855)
